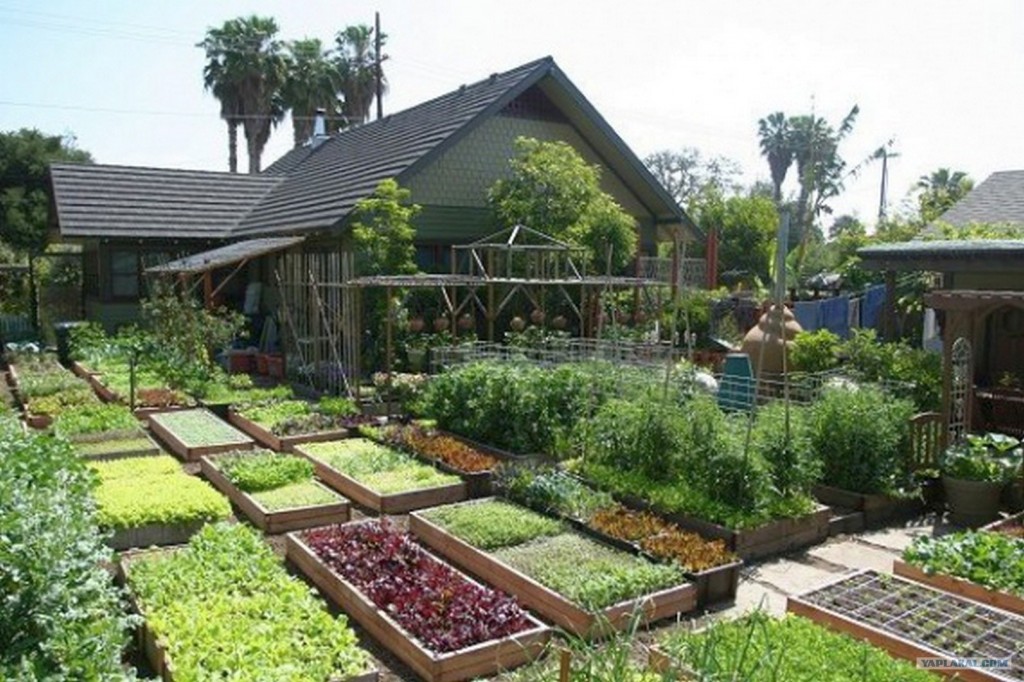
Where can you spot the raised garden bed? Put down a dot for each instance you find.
(877, 509)
(267, 438)
(191, 434)
(379, 478)
(911, 620)
(152, 501)
(442, 624)
(105, 394)
(1012, 526)
(587, 565)
(760, 648)
(81, 370)
(277, 498)
(249, 601)
(116, 445)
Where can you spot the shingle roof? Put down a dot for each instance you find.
(124, 201)
(999, 199)
(943, 255)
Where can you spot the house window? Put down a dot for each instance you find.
(124, 274)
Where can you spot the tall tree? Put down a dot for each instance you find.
(820, 168)
(940, 190)
(775, 138)
(746, 227)
(312, 83)
(356, 63)
(24, 189)
(246, 68)
(685, 173)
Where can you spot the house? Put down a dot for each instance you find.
(447, 151)
(979, 305)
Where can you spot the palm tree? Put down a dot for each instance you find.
(940, 190)
(313, 83)
(357, 67)
(247, 67)
(776, 145)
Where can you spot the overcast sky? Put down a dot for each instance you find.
(944, 78)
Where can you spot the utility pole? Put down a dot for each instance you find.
(379, 73)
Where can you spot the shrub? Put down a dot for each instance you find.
(815, 351)
(790, 458)
(60, 616)
(861, 437)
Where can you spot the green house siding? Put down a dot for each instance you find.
(462, 175)
(452, 224)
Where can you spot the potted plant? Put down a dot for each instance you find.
(416, 352)
(974, 472)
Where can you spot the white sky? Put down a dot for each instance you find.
(945, 78)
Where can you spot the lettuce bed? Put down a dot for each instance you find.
(227, 609)
(377, 467)
(277, 482)
(137, 492)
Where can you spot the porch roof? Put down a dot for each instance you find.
(239, 252)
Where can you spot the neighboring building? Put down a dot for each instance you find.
(447, 151)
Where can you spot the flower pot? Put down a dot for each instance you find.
(537, 316)
(416, 324)
(275, 366)
(971, 503)
(440, 324)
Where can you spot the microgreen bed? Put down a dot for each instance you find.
(379, 468)
(491, 524)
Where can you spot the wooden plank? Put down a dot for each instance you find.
(279, 521)
(545, 601)
(268, 439)
(480, 660)
(960, 586)
(392, 503)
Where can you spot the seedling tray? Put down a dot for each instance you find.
(266, 438)
(479, 660)
(279, 521)
(545, 601)
(911, 620)
(155, 649)
(390, 503)
(227, 438)
(960, 586)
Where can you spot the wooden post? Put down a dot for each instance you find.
(390, 348)
(208, 289)
(564, 665)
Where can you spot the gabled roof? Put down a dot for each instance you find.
(999, 199)
(315, 188)
(125, 201)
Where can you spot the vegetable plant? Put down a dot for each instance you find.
(547, 489)
(492, 523)
(593, 575)
(296, 495)
(140, 491)
(378, 467)
(258, 623)
(94, 418)
(199, 428)
(989, 457)
(264, 470)
(990, 559)
(441, 447)
(430, 600)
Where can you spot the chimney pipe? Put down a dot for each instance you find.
(320, 123)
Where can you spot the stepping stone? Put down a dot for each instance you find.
(792, 575)
(855, 555)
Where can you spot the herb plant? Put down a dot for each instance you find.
(378, 467)
(492, 524)
(94, 418)
(430, 600)
(993, 560)
(199, 428)
(264, 470)
(139, 491)
(257, 622)
(586, 572)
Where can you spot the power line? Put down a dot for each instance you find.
(133, 112)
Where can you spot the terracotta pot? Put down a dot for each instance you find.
(537, 316)
(517, 324)
(440, 323)
(559, 322)
(466, 322)
(416, 324)
(972, 503)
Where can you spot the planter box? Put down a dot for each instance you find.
(240, 362)
(154, 535)
(486, 658)
(877, 508)
(856, 604)
(144, 413)
(714, 585)
(151, 450)
(1013, 525)
(960, 586)
(264, 437)
(105, 394)
(155, 650)
(191, 453)
(81, 370)
(275, 366)
(545, 601)
(279, 521)
(391, 503)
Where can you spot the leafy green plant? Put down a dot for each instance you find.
(815, 351)
(792, 463)
(989, 457)
(264, 470)
(378, 467)
(60, 617)
(296, 495)
(258, 622)
(861, 436)
(199, 428)
(593, 575)
(139, 491)
(990, 559)
(759, 648)
(337, 407)
(492, 524)
(94, 418)
(547, 489)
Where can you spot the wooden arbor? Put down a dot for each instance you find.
(488, 275)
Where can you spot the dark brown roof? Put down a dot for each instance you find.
(123, 201)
